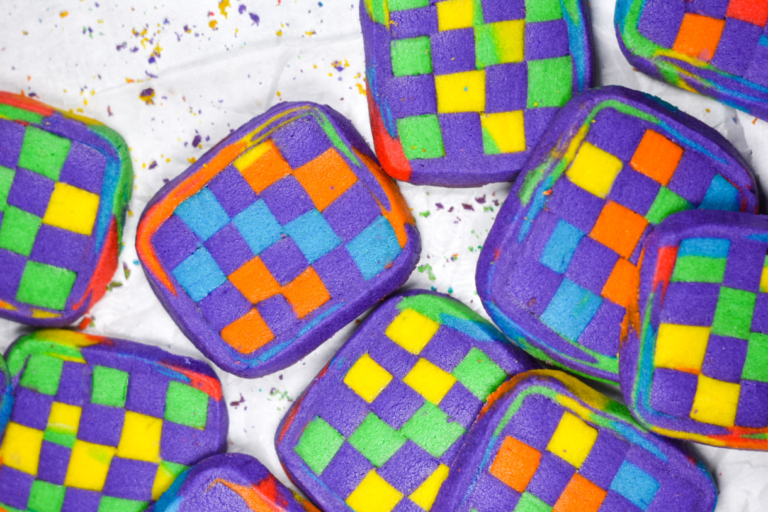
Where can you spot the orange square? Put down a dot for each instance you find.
(306, 293)
(657, 157)
(248, 333)
(580, 495)
(255, 281)
(619, 228)
(325, 178)
(751, 11)
(262, 166)
(515, 464)
(699, 36)
(623, 283)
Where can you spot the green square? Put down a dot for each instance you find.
(530, 503)
(430, 429)
(60, 438)
(18, 114)
(6, 180)
(46, 497)
(43, 152)
(42, 374)
(733, 315)
(110, 504)
(485, 47)
(376, 440)
(45, 285)
(756, 365)
(550, 82)
(699, 269)
(665, 204)
(542, 10)
(421, 137)
(110, 386)
(186, 405)
(479, 373)
(318, 444)
(19, 230)
(411, 56)
(402, 5)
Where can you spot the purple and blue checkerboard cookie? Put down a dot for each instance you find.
(64, 188)
(384, 420)
(558, 272)
(100, 424)
(460, 91)
(546, 442)
(275, 239)
(230, 483)
(698, 368)
(713, 47)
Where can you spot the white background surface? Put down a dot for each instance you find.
(214, 68)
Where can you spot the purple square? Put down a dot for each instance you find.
(447, 348)
(413, 22)
(711, 8)
(537, 121)
(284, 260)
(549, 481)
(406, 505)
(13, 267)
(287, 199)
(229, 249)
(604, 331)
(753, 405)
(54, 462)
(186, 445)
(616, 133)
(85, 168)
(690, 304)
(692, 176)
(232, 191)
(346, 471)
(591, 265)
(605, 459)
(392, 357)
(80, 500)
(146, 393)
(279, 315)
(461, 405)
(634, 190)
(75, 384)
(660, 21)
(450, 454)
(757, 70)
(675, 494)
(61, 248)
(575, 205)
(351, 213)
(31, 408)
(503, 10)
(101, 424)
(397, 404)
(412, 95)
(672, 392)
(523, 291)
(724, 359)
(453, 51)
(174, 242)
(615, 502)
(408, 468)
(11, 139)
(546, 40)
(223, 306)
(15, 486)
(506, 87)
(130, 479)
(744, 265)
(31, 192)
(462, 134)
(760, 316)
(535, 422)
(493, 495)
(338, 272)
(737, 45)
(343, 409)
(301, 141)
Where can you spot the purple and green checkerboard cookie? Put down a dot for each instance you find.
(460, 91)
(713, 47)
(100, 424)
(558, 272)
(546, 442)
(65, 183)
(698, 368)
(275, 239)
(384, 420)
(230, 483)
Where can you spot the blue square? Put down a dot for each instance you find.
(636, 485)
(258, 226)
(313, 235)
(706, 247)
(721, 195)
(199, 274)
(561, 246)
(374, 248)
(203, 214)
(570, 310)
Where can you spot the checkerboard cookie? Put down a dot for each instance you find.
(698, 367)
(232, 482)
(460, 91)
(548, 443)
(100, 424)
(275, 239)
(558, 272)
(65, 182)
(384, 420)
(713, 47)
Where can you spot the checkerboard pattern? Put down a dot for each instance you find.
(98, 431)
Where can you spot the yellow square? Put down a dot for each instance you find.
(88, 466)
(64, 418)
(594, 170)
(426, 494)
(461, 92)
(681, 347)
(453, 14)
(764, 280)
(72, 209)
(573, 440)
(140, 439)
(367, 378)
(509, 40)
(374, 494)
(506, 130)
(163, 480)
(412, 331)
(21, 448)
(429, 381)
(715, 402)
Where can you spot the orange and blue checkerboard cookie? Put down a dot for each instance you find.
(65, 182)
(460, 91)
(278, 237)
(100, 424)
(558, 272)
(548, 443)
(698, 367)
(714, 47)
(380, 426)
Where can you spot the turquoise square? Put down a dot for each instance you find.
(721, 195)
(561, 246)
(199, 274)
(203, 214)
(313, 235)
(635, 484)
(374, 248)
(571, 309)
(258, 226)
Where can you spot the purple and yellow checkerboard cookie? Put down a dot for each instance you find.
(100, 424)
(384, 420)
(713, 47)
(460, 91)
(548, 443)
(232, 482)
(558, 272)
(698, 368)
(278, 237)
(65, 182)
